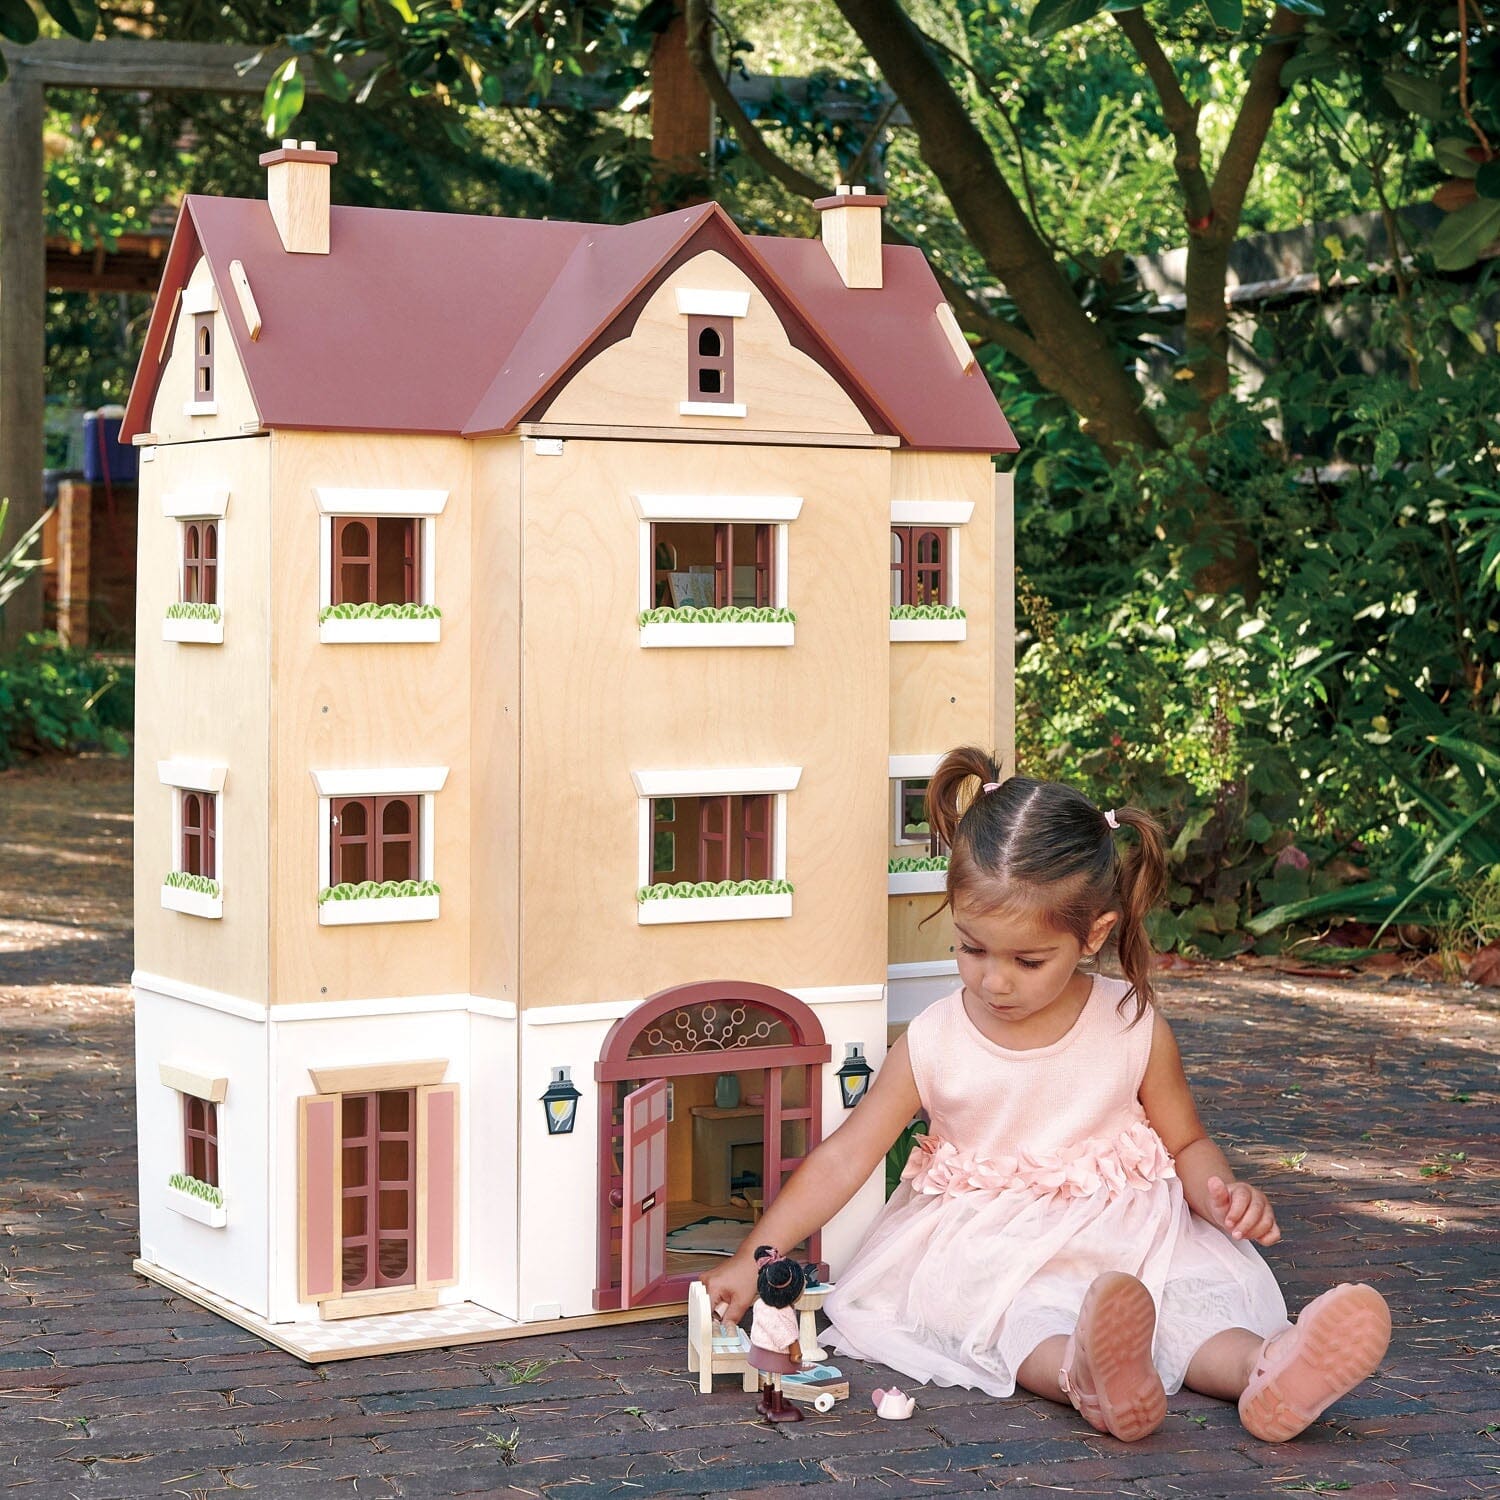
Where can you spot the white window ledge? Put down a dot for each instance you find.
(929, 630)
(350, 502)
(346, 632)
(190, 1206)
(711, 409)
(203, 632)
(913, 882)
(679, 634)
(712, 909)
(206, 504)
(931, 512)
(200, 408)
(378, 909)
(381, 782)
(192, 775)
(192, 903)
(712, 304)
(705, 782)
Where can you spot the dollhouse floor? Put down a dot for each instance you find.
(683, 1263)
(316, 1342)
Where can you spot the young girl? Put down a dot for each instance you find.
(1066, 1226)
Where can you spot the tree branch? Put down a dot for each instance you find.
(1262, 98)
(1181, 119)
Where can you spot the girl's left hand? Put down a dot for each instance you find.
(1242, 1212)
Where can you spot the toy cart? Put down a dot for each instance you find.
(820, 1387)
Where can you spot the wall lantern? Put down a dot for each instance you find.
(561, 1103)
(854, 1074)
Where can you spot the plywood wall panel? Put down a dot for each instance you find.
(597, 706)
(210, 703)
(642, 380)
(367, 706)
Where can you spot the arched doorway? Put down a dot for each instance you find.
(677, 1044)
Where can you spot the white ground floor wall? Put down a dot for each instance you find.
(528, 1201)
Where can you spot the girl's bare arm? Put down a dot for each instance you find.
(824, 1183)
(1208, 1184)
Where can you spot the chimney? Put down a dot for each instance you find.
(851, 234)
(297, 186)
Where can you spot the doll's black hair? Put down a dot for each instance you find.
(778, 1282)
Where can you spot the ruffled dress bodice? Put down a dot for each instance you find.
(1040, 1171)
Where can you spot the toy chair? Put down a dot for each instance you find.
(714, 1349)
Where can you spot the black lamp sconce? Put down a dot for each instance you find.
(561, 1103)
(854, 1074)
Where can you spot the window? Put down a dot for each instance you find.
(200, 1139)
(198, 853)
(203, 356)
(711, 359)
(379, 1189)
(911, 817)
(376, 560)
(711, 838)
(375, 838)
(200, 562)
(920, 565)
(713, 564)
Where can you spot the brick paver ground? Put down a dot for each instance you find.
(1367, 1111)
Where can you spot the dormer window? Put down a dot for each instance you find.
(203, 357)
(711, 359)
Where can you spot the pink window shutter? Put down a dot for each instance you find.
(437, 1191)
(319, 1267)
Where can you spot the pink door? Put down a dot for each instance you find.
(643, 1237)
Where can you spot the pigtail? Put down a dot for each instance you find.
(1143, 881)
(949, 792)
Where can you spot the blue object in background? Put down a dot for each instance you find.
(105, 457)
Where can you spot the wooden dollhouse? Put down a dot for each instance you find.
(544, 633)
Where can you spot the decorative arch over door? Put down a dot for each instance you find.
(693, 1030)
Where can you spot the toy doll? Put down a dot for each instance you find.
(774, 1349)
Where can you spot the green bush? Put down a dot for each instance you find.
(918, 866)
(182, 611)
(690, 614)
(379, 612)
(369, 890)
(56, 698)
(182, 881)
(1325, 745)
(689, 889)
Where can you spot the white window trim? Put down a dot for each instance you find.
(711, 409)
(703, 304)
(776, 780)
(425, 506)
(200, 299)
(200, 503)
(200, 408)
(759, 510)
(210, 780)
(192, 775)
(898, 833)
(931, 512)
(423, 783)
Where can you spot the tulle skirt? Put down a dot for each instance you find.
(958, 1287)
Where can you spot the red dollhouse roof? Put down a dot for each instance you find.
(461, 324)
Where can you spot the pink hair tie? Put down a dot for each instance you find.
(991, 786)
(1111, 819)
(766, 1257)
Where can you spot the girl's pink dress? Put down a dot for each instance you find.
(1039, 1173)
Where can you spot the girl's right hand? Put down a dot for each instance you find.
(731, 1288)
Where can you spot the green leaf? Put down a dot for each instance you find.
(79, 18)
(1452, 153)
(330, 80)
(283, 98)
(1417, 95)
(18, 22)
(1051, 16)
(1461, 236)
(1487, 180)
(1228, 15)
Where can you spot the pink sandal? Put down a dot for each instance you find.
(1117, 1390)
(1337, 1342)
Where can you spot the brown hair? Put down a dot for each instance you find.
(1045, 844)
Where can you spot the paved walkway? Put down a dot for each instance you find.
(1367, 1112)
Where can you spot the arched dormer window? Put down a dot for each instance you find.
(711, 359)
